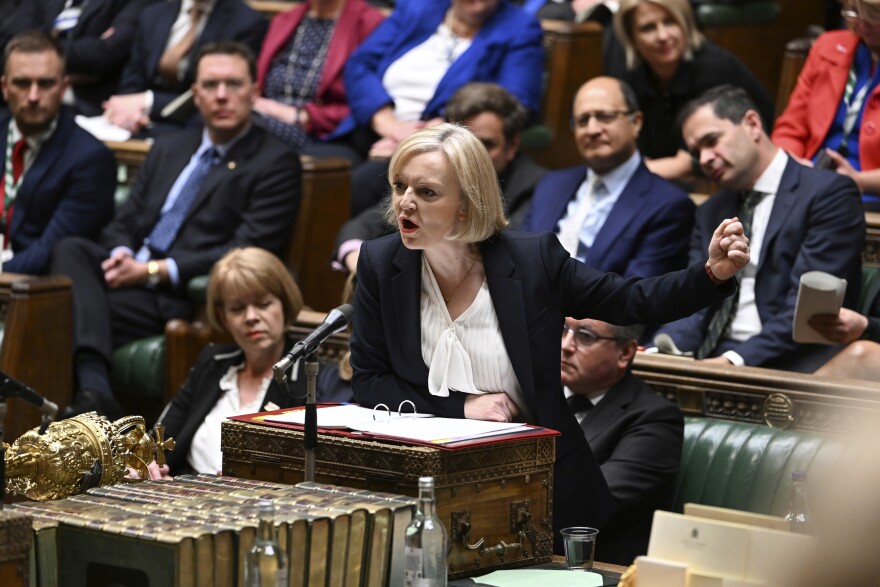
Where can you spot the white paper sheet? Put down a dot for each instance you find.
(819, 293)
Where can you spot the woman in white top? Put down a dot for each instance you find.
(465, 320)
(253, 298)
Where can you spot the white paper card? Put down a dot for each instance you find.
(655, 572)
(706, 545)
(819, 293)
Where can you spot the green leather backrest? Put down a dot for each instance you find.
(746, 466)
(139, 368)
(758, 12)
(870, 288)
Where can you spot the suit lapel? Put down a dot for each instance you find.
(506, 290)
(406, 297)
(782, 204)
(40, 170)
(623, 213)
(163, 31)
(339, 48)
(222, 172)
(605, 413)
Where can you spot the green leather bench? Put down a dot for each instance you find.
(746, 466)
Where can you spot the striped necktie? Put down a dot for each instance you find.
(720, 323)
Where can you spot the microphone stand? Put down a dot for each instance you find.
(310, 441)
(311, 421)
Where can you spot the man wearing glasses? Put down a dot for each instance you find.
(198, 194)
(613, 214)
(635, 435)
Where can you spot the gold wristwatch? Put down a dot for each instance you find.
(153, 276)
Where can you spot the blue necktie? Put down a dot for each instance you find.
(163, 234)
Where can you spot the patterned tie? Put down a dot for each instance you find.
(169, 63)
(14, 169)
(723, 318)
(163, 234)
(579, 403)
(570, 234)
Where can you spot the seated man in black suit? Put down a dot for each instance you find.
(95, 37)
(60, 180)
(198, 194)
(162, 66)
(497, 119)
(635, 435)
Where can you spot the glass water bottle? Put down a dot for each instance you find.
(266, 562)
(426, 542)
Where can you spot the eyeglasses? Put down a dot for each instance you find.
(854, 15)
(602, 117)
(584, 338)
(233, 85)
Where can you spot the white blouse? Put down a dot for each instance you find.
(466, 354)
(205, 455)
(412, 79)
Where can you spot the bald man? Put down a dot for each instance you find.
(612, 213)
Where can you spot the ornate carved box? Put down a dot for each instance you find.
(495, 499)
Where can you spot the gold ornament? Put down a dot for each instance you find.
(82, 452)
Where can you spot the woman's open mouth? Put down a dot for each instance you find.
(407, 225)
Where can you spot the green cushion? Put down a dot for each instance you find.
(536, 138)
(139, 368)
(870, 289)
(746, 466)
(710, 15)
(197, 289)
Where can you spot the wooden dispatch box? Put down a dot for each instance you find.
(494, 499)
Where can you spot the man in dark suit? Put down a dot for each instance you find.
(798, 219)
(635, 435)
(96, 37)
(59, 180)
(198, 194)
(613, 214)
(162, 67)
(497, 119)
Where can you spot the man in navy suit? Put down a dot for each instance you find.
(58, 180)
(799, 219)
(198, 194)
(613, 214)
(635, 435)
(162, 62)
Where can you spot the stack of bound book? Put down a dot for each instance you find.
(196, 531)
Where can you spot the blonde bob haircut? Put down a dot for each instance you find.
(680, 11)
(246, 272)
(480, 194)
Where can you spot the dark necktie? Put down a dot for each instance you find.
(579, 403)
(163, 234)
(723, 317)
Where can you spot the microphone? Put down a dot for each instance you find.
(336, 320)
(13, 387)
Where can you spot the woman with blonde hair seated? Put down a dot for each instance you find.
(659, 51)
(253, 298)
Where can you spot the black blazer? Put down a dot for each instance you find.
(534, 285)
(250, 198)
(185, 412)
(230, 19)
(94, 57)
(636, 436)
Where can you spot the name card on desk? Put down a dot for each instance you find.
(727, 554)
(705, 545)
